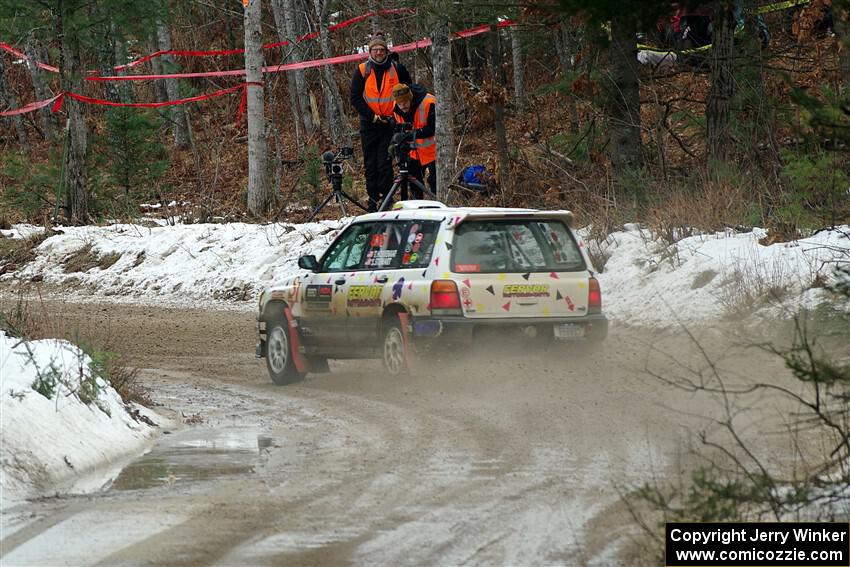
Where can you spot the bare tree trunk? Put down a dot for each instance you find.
(156, 66)
(444, 134)
(106, 60)
(624, 99)
(498, 105)
(179, 124)
(289, 56)
(8, 101)
(284, 13)
(520, 99)
(842, 30)
(340, 132)
(76, 193)
(373, 21)
(563, 45)
(258, 186)
(34, 54)
(718, 108)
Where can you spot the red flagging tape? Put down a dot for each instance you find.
(21, 55)
(273, 69)
(102, 102)
(422, 43)
(220, 52)
(31, 107)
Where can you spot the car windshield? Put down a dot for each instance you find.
(526, 245)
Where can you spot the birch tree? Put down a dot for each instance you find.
(179, 121)
(339, 129)
(518, 64)
(259, 197)
(284, 14)
(444, 134)
(35, 53)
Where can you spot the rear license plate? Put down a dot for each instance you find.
(569, 331)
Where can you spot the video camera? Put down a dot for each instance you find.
(333, 161)
(402, 140)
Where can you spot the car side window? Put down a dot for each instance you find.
(384, 244)
(418, 242)
(346, 253)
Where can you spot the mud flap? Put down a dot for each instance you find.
(404, 319)
(301, 364)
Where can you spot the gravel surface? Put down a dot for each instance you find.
(508, 456)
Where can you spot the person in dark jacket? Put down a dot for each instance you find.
(416, 106)
(371, 94)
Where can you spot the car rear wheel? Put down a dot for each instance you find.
(395, 352)
(279, 361)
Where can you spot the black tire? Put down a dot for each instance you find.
(394, 355)
(279, 361)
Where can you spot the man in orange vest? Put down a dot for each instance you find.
(371, 94)
(414, 105)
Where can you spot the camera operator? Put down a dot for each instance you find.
(371, 95)
(415, 105)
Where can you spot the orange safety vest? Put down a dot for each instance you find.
(379, 100)
(425, 149)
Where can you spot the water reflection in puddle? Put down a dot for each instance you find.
(195, 455)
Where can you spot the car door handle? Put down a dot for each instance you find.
(381, 279)
(340, 281)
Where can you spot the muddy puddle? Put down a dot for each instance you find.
(195, 455)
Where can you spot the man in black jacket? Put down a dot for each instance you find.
(371, 95)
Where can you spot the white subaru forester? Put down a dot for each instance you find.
(423, 275)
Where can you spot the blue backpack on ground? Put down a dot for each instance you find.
(474, 177)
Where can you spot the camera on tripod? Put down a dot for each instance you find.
(333, 167)
(333, 161)
(402, 140)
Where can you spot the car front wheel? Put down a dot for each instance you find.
(279, 361)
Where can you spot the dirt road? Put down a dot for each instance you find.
(503, 458)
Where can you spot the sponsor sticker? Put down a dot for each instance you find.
(364, 296)
(467, 267)
(525, 290)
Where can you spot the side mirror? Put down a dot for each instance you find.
(308, 262)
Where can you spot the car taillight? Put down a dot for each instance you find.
(594, 297)
(445, 300)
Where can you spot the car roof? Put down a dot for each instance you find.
(461, 213)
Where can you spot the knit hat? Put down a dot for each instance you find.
(401, 93)
(378, 40)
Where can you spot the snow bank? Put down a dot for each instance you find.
(645, 281)
(60, 443)
(701, 278)
(181, 264)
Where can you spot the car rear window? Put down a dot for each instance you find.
(521, 245)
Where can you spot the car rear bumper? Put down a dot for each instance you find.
(466, 330)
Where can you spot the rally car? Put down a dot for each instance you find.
(423, 275)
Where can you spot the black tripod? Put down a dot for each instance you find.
(404, 179)
(333, 167)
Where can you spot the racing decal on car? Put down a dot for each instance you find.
(379, 258)
(467, 268)
(398, 287)
(526, 290)
(467, 300)
(570, 305)
(296, 287)
(318, 296)
(364, 296)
